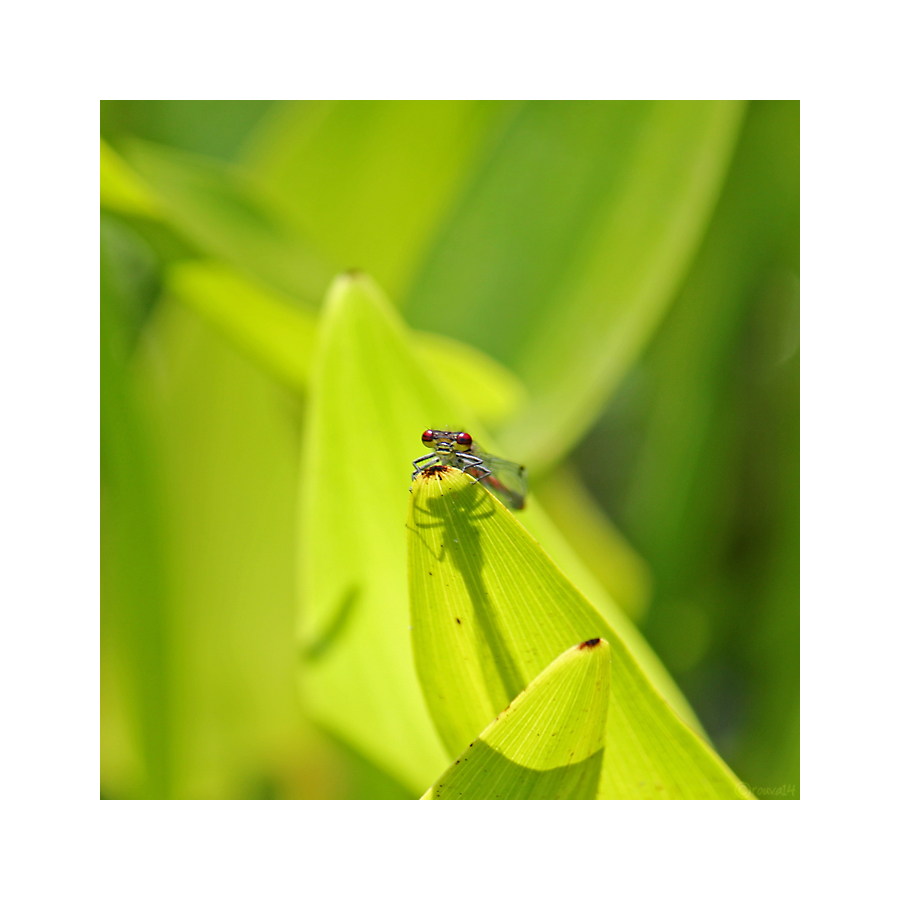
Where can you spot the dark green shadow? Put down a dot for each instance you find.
(458, 514)
(482, 773)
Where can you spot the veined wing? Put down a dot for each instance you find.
(508, 481)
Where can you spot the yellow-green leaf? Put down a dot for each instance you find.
(267, 326)
(229, 216)
(569, 247)
(596, 540)
(471, 377)
(548, 744)
(371, 181)
(369, 400)
(120, 187)
(228, 452)
(137, 679)
(278, 335)
(542, 528)
(471, 560)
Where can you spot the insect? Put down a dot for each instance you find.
(507, 481)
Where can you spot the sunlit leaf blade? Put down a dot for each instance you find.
(569, 246)
(599, 544)
(271, 330)
(278, 335)
(713, 492)
(542, 528)
(371, 181)
(228, 450)
(548, 744)
(369, 400)
(120, 187)
(226, 214)
(470, 559)
(136, 677)
(471, 377)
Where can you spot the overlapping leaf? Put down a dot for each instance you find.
(274, 332)
(568, 248)
(372, 181)
(136, 676)
(596, 540)
(222, 211)
(121, 189)
(380, 190)
(369, 397)
(278, 335)
(718, 462)
(491, 611)
(227, 450)
(547, 744)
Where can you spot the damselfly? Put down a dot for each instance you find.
(507, 481)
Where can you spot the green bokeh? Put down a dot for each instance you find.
(635, 266)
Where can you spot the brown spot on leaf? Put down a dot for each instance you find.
(586, 645)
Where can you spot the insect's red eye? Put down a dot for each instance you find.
(428, 437)
(464, 439)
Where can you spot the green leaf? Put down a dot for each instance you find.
(718, 467)
(542, 528)
(596, 540)
(136, 677)
(371, 181)
(229, 216)
(227, 445)
(369, 400)
(470, 559)
(121, 189)
(212, 127)
(278, 335)
(471, 377)
(568, 248)
(548, 744)
(265, 325)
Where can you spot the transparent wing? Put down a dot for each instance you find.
(508, 481)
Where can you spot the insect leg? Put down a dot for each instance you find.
(416, 468)
(470, 461)
(478, 465)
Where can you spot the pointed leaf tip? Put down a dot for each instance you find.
(548, 743)
(353, 280)
(472, 560)
(359, 681)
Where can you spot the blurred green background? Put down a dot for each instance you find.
(631, 271)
